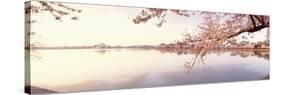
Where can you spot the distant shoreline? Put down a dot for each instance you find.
(260, 49)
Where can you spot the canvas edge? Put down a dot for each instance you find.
(27, 69)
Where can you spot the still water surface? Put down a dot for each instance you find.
(105, 69)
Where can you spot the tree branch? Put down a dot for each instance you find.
(253, 20)
(249, 30)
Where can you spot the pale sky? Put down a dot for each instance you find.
(109, 25)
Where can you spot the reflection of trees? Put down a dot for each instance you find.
(178, 51)
(264, 55)
(35, 54)
(33, 40)
(189, 65)
(196, 60)
(102, 51)
(257, 53)
(242, 53)
(233, 52)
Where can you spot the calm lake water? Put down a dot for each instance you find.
(67, 70)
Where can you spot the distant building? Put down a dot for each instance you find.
(101, 45)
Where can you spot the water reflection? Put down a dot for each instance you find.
(234, 52)
(102, 51)
(107, 69)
